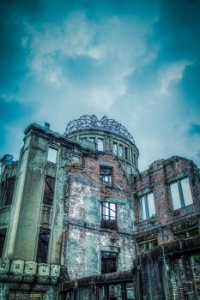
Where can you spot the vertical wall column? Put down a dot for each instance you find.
(29, 218)
(17, 199)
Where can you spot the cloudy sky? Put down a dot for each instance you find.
(137, 61)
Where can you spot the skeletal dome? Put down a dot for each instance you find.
(106, 135)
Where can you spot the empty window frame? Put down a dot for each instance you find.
(130, 291)
(43, 244)
(120, 152)
(115, 149)
(52, 155)
(82, 140)
(100, 145)
(134, 158)
(195, 261)
(180, 193)
(2, 240)
(148, 245)
(92, 139)
(7, 191)
(115, 291)
(108, 215)
(49, 190)
(187, 233)
(147, 207)
(106, 174)
(126, 153)
(108, 262)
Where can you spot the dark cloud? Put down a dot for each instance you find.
(190, 86)
(14, 42)
(178, 30)
(177, 36)
(17, 16)
(95, 9)
(194, 129)
(11, 111)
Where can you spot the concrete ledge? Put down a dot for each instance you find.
(28, 271)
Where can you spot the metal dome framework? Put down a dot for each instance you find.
(91, 122)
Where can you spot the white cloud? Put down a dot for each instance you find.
(169, 73)
(119, 43)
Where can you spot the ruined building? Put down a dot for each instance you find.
(79, 221)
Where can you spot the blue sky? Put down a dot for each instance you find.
(135, 61)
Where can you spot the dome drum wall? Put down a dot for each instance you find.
(105, 135)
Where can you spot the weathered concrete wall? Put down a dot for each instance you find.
(166, 273)
(84, 248)
(33, 213)
(86, 237)
(29, 218)
(17, 199)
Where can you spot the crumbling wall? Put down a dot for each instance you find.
(85, 236)
(157, 180)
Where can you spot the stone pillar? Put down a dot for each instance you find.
(17, 199)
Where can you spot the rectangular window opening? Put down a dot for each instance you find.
(2, 240)
(108, 262)
(126, 152)
(92, 139)
(115, 291)
(181, 193)
(115, 148)
(134, 158)
(49, 190)
(52, 155)
(43, 244)
(7, 191)
(82, 139)
(195, 265)
(130, 291)
(106, 174)
(100, 145)
(187, 233)
(148, 245)
(120, 150)
(147, 207)
(108, 215)
(195, 259)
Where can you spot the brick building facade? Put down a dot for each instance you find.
(78, 220)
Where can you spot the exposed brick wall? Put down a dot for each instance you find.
(86, 238)
(157, 179)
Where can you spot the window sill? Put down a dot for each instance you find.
(51, 164)
(189, 208)
(150, 220)
(106, 184)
